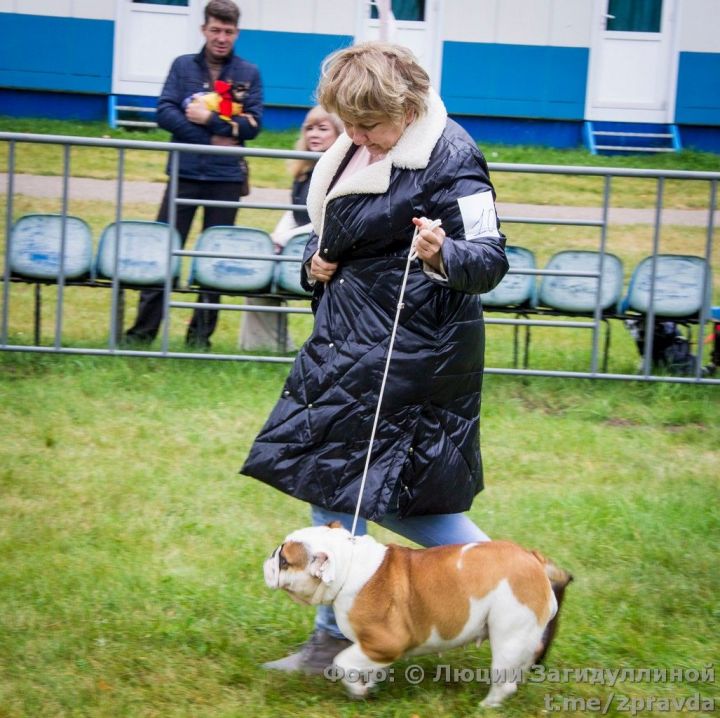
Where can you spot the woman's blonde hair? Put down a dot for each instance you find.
(372, 82)
(298, 168)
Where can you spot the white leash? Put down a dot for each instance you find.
(412, 255)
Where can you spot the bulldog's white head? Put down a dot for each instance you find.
(305, 563)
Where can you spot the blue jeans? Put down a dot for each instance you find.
(435, 530)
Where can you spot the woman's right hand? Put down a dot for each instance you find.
(321, 270)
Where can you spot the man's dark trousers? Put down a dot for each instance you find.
(202, 325)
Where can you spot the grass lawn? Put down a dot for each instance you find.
(131, 581)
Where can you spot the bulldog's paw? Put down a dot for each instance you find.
(485, 703)
(497, 694)
(357, 691)
(361, 690)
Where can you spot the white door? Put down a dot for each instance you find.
(417, 25)
(149, 35)
(632, 75)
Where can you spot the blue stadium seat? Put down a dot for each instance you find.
(680, 288)
(287, 276)
(516, 293)
(35, 252)
(232, 274)
(35, 243)
(142, 256)
(515, 290)
(578, 295)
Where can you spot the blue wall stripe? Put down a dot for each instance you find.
(515, 80)
(698, 89)
(522, 131)
(695, 137)
(53, 105)
(56, 53)
(289, 62)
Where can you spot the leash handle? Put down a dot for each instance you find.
(427, 224)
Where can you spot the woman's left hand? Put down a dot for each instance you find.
(321, 270)
(429, 243)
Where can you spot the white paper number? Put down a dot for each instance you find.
(478, 214)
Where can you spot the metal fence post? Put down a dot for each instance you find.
(63, 244)
(598, 314)
(8, 242)
(172, 190)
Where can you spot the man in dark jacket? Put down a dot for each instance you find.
(183, 111)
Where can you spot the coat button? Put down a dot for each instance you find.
(342, 281)
(286, 393)
(411, 450)
(331, 345)
(309, 406)
(325, 250)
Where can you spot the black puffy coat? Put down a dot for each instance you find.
(426, 454)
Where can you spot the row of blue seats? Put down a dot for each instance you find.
(682, 285)
(143, 253)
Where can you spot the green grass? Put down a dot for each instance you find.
(131, 581)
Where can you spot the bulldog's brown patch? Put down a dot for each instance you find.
(416, 591)
(295, 554)
(529, 581)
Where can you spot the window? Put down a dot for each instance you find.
(403, 10)
(634, 15)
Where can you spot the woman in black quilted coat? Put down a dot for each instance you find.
(401, 160)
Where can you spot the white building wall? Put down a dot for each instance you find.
(85, 9)
(571, 23)
(560, 23)
(329, 17)
(699, 26)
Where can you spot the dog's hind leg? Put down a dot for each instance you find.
(514, 635)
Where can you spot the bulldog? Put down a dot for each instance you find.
(392, 601)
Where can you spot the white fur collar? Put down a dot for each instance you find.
(412, 151)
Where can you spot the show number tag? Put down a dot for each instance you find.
(478, 214)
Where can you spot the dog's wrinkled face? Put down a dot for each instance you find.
(289, 568)
(304, 564)
(301, 567)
